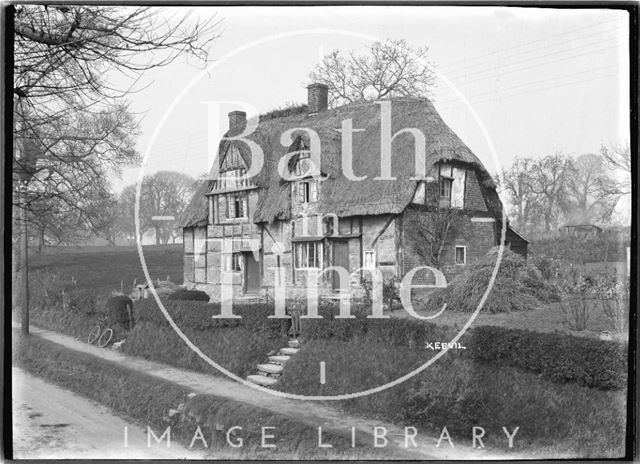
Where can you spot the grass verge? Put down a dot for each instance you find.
(148, 401)
(560, 419)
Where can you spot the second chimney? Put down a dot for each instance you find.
(317, 95)
(237, 121)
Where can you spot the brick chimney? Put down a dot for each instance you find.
(317, 95)
(237, 121)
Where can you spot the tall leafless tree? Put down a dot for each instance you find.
(391, 68)
(72, 123)
(550, 177)
(516, 182)
(618, 159)
(592, 194)
(165, 193)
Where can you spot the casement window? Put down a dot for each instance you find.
(446, 180)
(307, 192)
(236, 206)
(308, 255)
(452, 185)
(369, 259)
(233, 262)
(461, 254)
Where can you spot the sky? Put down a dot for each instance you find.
(512, 81)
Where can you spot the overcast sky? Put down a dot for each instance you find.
(539, 80)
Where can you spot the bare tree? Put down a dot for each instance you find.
(592, 194)
(432, 229)
(391, 68)
(516, 183)
(72, 125)
(165, 193)
(549, 181)
(618, 158)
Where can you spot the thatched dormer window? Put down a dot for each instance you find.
(307, 191)
(451, 186)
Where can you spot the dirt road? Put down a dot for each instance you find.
(49, 422)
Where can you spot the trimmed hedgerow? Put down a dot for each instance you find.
(556, 356)
(393, 331)
(188, 295)
(241, 343)
(237, 344)
(595, 363)
(198, 315)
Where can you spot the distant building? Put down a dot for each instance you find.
(584, 230)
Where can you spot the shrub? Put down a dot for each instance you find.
(197, 315)
(518, 286)
(595, 363)
(613, 294)
(188, 295)
(549, 267)
(607, 247)
(120, 310)
(394, 331)
(83, 301)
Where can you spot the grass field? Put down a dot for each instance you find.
(547, 318)
(102, 267)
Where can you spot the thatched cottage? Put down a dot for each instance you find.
(447, 219)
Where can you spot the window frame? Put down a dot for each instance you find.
(307, 191)
(233, 262)
(464, 255)
(318, 255)
(448, 181)
(373, 263)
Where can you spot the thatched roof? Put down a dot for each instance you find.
(197, 211)
(340, 195)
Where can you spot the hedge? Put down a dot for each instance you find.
(563, 358)
(188, 295)
(197, 315)
(398, 332)
(587, 361)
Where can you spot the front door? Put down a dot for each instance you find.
(252, 281)
(341, 259)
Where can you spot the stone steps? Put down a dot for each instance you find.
(279, 359)
(262, 380)
(270, 368)
(269, 372)
(288, 350)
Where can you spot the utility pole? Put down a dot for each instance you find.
(24, 259)
(23, 268)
